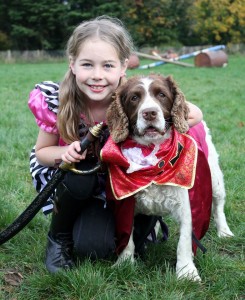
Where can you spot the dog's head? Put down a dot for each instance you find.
(144, 107)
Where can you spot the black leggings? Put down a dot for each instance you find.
(94, 227)
(94, 231)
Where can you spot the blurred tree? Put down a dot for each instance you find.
(151, 22)
(218, 21)
(80, 10)
(237, 30)
(179, 10)
(47, 24)
(4, 41)
(35, 25)
(4, 26)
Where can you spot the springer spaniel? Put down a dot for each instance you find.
(151, 111)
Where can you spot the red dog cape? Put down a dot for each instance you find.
(174, 163)
(177, 162)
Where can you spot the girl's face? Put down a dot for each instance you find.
(98, 69)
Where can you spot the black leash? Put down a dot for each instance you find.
(29, 213)
(165, 233)
(198, 243)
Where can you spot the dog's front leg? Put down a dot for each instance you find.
(185, 267)
(128, 252)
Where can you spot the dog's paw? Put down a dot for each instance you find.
(225, 232)
(125, 256)
(188, 272)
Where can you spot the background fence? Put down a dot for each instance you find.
(11, 56)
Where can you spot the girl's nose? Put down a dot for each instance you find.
(97, 73)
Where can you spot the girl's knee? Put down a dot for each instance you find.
(94, 231)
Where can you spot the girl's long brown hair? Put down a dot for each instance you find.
(110, 30)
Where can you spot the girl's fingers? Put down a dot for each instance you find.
(83, 155)
(72, 155)
(77, 146)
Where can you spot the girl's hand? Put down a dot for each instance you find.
(195, 114)
(72, 154)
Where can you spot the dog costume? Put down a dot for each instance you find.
(181, 161)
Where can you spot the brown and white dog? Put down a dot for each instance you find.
(142, 111)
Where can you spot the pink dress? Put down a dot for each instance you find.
(43, 103)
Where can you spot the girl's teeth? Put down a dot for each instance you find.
(97, 87)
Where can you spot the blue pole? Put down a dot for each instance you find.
(184, 56)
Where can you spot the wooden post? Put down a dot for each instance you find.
(163, 59)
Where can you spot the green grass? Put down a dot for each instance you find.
(220, 93)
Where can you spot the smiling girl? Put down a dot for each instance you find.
(98, 53)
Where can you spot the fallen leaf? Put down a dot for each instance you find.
(13, 278)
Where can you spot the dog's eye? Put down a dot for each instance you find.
(134, 98)
(161, 95)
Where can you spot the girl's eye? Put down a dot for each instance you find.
(108, 66)
(87, 65)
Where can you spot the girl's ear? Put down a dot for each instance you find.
(124, 68)
(117, 121)
(180, 108)
(71, 64)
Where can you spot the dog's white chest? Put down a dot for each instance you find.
(159, 200)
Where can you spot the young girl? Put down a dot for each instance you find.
(98, 53)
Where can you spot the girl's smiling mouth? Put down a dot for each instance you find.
(97, 88)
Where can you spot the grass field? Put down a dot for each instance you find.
(220, 93)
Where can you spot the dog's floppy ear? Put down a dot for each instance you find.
(180, 108)
(117, 121)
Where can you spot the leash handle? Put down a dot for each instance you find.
(91, 136)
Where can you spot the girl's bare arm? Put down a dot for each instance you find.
(48, 152)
